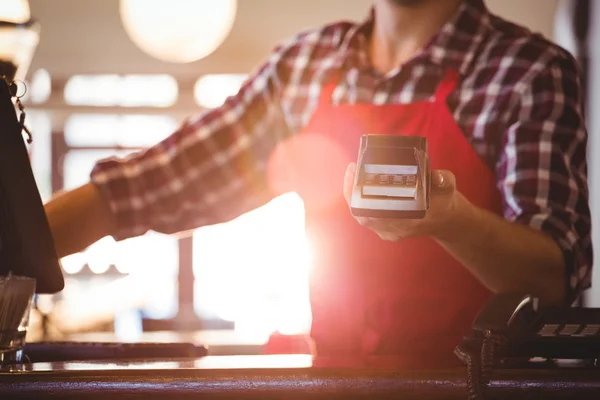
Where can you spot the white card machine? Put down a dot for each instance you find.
(392, 177)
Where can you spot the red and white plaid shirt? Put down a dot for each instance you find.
(518, 103)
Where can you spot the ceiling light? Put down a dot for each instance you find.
(178, 31)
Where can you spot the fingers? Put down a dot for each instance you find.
(383, 228)
(367, 222)
(349, 182)
(390, 237)
(442, 181)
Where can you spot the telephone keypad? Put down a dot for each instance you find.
(548, 330)
(577, 330)
(569, 330)
(590, 330)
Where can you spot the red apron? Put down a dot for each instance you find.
(410, 299)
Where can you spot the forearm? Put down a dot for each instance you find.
(78, 219)
(506, 256)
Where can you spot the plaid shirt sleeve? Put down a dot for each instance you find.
(211, 170)
(542, 172)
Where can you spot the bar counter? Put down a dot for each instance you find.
(278, 377)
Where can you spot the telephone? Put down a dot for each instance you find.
(513, 331)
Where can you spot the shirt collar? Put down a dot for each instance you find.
(446, 48)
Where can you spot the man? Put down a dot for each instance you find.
(500, 108)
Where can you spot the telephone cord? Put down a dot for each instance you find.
(480, 364)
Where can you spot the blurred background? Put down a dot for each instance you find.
(104, 81)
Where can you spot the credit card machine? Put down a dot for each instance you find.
(392, 178)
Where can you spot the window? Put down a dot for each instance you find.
(259, 287)
(39, 89)
(117, 130)
(147, 261)
(40, 150)
(211, 91)
(123, 91)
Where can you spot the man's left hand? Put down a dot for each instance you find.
(445, 207)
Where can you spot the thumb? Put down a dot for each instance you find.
(442, 181)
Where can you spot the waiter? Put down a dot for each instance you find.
(501, 109)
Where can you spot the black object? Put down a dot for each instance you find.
(390, 167)
(93, 351)
(513, 331)
(7, 69)
(26, 244)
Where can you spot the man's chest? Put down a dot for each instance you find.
(476, 108)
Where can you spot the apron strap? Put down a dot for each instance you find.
(331, 82)
(447, 85)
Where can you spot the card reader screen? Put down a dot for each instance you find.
(383, 180)
(384, 169)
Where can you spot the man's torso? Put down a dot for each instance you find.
(496, 61)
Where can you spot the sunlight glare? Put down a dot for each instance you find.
(254, 270)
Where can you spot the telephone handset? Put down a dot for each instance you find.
(512, 330)
(506, 312)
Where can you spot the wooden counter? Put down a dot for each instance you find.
(277, 377)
